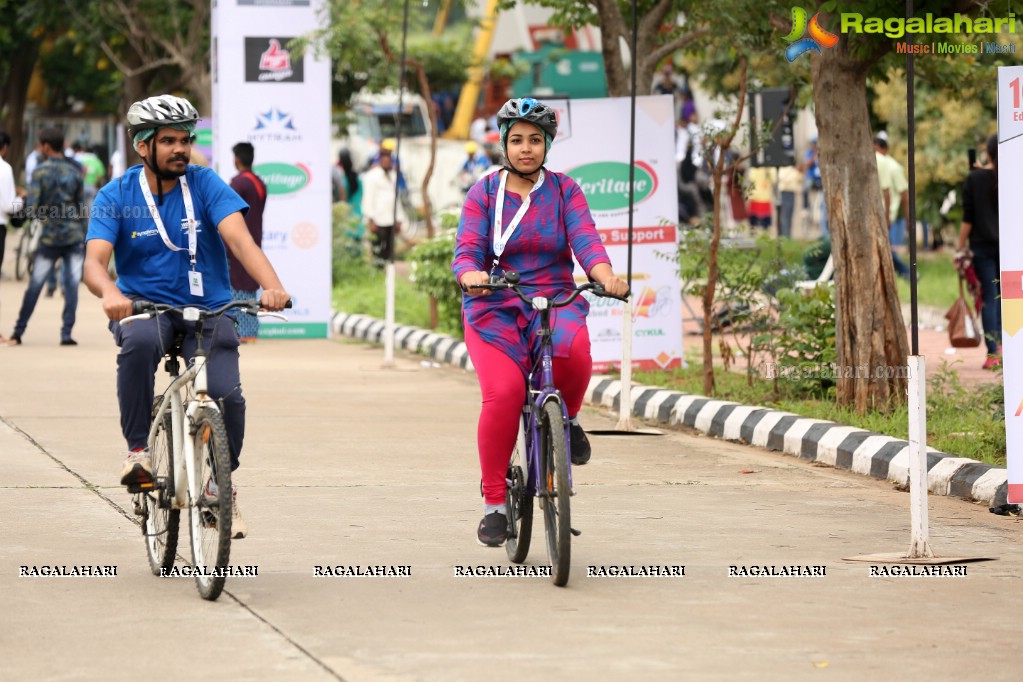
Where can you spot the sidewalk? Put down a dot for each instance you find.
(346, 464)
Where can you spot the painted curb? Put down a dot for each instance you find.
(843, 447)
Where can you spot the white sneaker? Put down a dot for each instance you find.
(137, 469)
(238, 527)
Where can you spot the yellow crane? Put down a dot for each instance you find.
(466, 107)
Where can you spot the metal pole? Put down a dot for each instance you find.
(625, 397)
(919, 547)
(389, 267)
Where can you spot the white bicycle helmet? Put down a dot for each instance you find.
(159, 112)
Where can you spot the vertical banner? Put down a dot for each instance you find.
(592, 147)
(1010, 203)
(266, 94)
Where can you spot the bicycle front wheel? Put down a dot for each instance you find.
(210, 507)
(555, 491)
(160, 522)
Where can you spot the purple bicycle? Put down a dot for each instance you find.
(541, 463)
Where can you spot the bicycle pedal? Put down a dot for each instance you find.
(137, 488)
(575, 532)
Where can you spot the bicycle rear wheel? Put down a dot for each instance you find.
(160, 523)
(210, 510)
(519, 505)
(555, 492)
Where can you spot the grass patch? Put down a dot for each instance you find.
(362, 293)
(938, 285)
(960, 421)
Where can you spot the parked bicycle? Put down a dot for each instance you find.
(191, 463)
(541, 462)
(25, 252)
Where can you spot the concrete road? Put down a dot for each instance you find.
(347, 464)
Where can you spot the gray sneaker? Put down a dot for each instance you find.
(137, 469)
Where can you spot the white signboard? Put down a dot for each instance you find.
(266, 94)
(593, 148)
(1010, 203)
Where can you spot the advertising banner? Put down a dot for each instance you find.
(593, 148)
(278, 100)
(1010, 203)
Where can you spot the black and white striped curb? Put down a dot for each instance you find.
(440, 347)
(845, 447)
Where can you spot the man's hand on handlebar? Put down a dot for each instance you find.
(116, 306)
(274, 299)
(470, 280)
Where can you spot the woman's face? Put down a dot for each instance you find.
(526, 147)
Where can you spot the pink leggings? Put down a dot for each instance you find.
(503, 388)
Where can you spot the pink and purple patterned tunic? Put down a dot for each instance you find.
(556, 225)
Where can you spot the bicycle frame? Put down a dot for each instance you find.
(184, 397)
(540, 389)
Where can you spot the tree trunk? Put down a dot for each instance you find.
(15, 94)
(870, 334)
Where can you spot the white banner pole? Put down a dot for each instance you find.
(625, 397)
(389, 314)
(919, 547)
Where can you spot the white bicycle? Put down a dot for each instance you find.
(191, 462)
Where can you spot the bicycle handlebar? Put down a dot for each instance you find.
(511, 279)
(143, 309)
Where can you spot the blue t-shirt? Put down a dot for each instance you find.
(145, 266)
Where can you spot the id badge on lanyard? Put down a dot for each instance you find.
(187, 224)
(503, 236)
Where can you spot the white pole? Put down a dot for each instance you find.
(918, 549)
(389, 314)
(625, 398)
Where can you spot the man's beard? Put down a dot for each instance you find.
(167, 174)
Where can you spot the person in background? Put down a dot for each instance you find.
(351, 184)
(978, 242)
(56, 195)
(384, 216)
(761, 198)
(895, 189)
(251, 188)
(92, 168)
(790, 183)
(473, 167)
(10, 196)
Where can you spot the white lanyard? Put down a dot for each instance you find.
(189, 221)
(502, 237)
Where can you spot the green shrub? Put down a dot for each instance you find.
(431, 274)
(804, 341)
(349, 258)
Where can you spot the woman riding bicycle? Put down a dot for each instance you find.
(527, 219)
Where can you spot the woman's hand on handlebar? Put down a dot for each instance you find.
(616, 286)
(470, 280)
(274, 299)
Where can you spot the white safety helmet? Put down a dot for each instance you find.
(159, 112)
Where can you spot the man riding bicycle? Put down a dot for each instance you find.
(167, 223)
